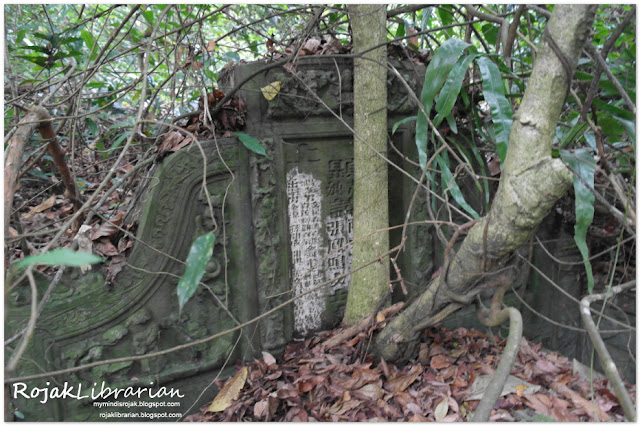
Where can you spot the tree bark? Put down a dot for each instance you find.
(13, 160)
(532, 181)
(370, 199)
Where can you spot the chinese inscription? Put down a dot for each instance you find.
(305, 223)
(321, 230)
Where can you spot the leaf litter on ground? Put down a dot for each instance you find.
(313, 381)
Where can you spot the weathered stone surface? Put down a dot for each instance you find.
(87, 321)
(309, 122)
(283, 223)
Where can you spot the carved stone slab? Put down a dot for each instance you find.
(87, 321)
(309, 122)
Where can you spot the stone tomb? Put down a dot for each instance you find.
(283, 223)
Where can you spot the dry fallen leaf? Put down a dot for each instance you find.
(84, 244)
(441, 410)
(229, 391)
(402, 381)
(261, 409)
(271, 90)
(369, 392)
(109, 228)
(311, 46)
(45, 205)
(269, 360)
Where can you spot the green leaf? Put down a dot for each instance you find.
(36, 49)
(448, 182)
(20, 36)
(449, 93)
(87, 37)
(542, 418)
(501, 112)
(401, 122)
(573, 135)
(585, 166)
(117, 142)
(63, 256)
(451, 121)
(443, 60)
(231, 56)
(490, 32)
(590, 137)
(618, 112)
(199, 255)
(630, 127)
(92, 126)
(148, 16)
(251, 143)
(478, 157)
(96, 84)
(400, 31)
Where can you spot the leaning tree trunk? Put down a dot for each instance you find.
(532, 181)
(370, 206)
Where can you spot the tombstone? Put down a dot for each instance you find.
(309, 125)
(87, 321)
(282, 222)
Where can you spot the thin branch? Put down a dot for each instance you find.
(406, 9)
(31, 325)
(607, 362)
(603, 65)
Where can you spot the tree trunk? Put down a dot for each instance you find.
(370, 205)
(532, 181)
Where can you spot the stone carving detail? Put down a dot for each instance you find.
(87, 321)
(335, 87)
(319, 185)
(272, 269)
(305, 223)
(339, 223)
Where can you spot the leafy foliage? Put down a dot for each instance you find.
(437, 71)
(584, 166)
(63, 256)
(199, 255)
(251, 143)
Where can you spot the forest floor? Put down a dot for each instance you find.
(332, 377)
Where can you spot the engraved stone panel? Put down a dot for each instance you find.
(319, 184)
(87, 321)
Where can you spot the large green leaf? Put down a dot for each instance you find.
(251, 143)
(501, 112)
(448, 182)
(573, 135)
(630, 127)
(585, 166)
(443, 60)
(401, 122)
(618, 112)
(474, 150)
(63, 256)
(199, 255)
(451, 89)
